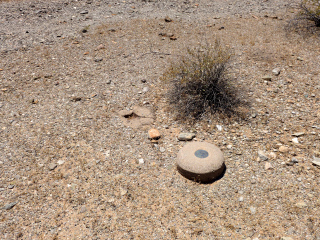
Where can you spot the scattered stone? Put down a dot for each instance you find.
(154, 134)
(273, 155)
(60, 162)
(145, 89)
(286, 238)
(316, 161)
(186, 136)
(292, 162)
(200, 161)
(283, 149)
(10, 186)
(298, 134)
(141, 161)
(10, 205)
(219, 127)
(253, 210)
(295, 140)
(52, 166)
(167, 19)
(276, 71)
(262, 156)
(83, 209)
(267, 78)
(301, 204)
(268, 166)
(84, 12)
(123, 191)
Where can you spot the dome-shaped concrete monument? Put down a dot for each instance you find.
(200, 161)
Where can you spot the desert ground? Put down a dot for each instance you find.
(71, 167)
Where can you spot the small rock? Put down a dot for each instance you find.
(167, 19)
(286, 238)
(101, 46)
(262, 156)
(162, 149)
(76, 99)
(145, 89)
(295, 140)
(273, 155)
(60, 162)
(268, 166)
(253, 210)
(98, 59)
(294, 160)
(276, 71)
(52, 166)
(186, 136)
(300, 58)
(298, 134)
(154, 134)
(123, 191)
(10, 205)
(301, 204)
(84, 12)
(267, 78)
(283, 149)
(141, 161)
(10, 186)
(108, 81)
(316, 161)
(143, 80)
(83, 209)
(219, 127)
(241, 199)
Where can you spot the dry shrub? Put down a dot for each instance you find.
(199, 84)
(310, 10)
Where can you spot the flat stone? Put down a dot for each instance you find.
(52, 166)
(262, 156)
(298, 134)
(10, 205)
(316, 161)
(268, 166)
(301, 204)
(267, 78)
(295, 140)
(186, 136)
(200, 161)
(283, 149)
(125, 113)
(154, 134)
(276, 71)
(286, 238)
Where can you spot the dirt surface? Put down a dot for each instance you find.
(71, 168)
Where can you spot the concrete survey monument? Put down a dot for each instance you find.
(200, 161)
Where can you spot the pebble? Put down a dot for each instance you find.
(267, 78)
(145, 89)
(283, 149)
(316, 161)
(241, 199)
(52, 166)
(273, 155)
(219, 127)
(186, 136)
(10, 205)
(141, 161)
(286, 238)
(83, 209)
(298, 134)
(253, 210)
(10, 186)
(60, 162)
(84, 12)
(301, 204)
(295, 140)
(162, 149)
(262, 156)
(268, 166)
(123, 191)
(154, 134)
(276, 71)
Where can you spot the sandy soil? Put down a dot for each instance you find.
(70, 168)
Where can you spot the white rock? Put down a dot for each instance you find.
(141, 161)
(295, 140)
(276, 71)
(60, 162)
(268, 166)
(219, 127)
(262, 156)
(316, 161)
